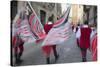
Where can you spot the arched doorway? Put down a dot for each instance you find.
(42, 17)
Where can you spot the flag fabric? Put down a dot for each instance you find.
(92, 35)
(36, 26)
(15, 24)
(93, 44)
(22, 28)
(29, 30)
(25, 32)
(60, 32)
(94, 48)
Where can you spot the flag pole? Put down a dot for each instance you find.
(32, 9)
(35, 13)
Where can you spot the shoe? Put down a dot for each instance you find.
(19, 55)
(18, 61)
(84, 60)
(48, 60)
(56, 58)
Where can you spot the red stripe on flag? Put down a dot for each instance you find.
(38, 27)
(35, 27)
(31, 19)
(59, 21)
(94, 48)
(18, 22)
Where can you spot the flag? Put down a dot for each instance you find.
(60, 32)
(25, 32)
(94, 48)
(63, 19)
(14, 26)
(36, 26)
(22, 29)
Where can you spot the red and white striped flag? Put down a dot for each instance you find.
(36, 26)
(21, 28)
(60, 32)
(94, 47)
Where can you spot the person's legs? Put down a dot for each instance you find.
(48, 60)
(16, 54)
(47, 51)
(78, 42)
(14, 40)
(18, 50)
(55, 51)
(21, 48)
(83, 52)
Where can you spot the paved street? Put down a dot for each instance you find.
(68, 53)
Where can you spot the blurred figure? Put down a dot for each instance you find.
(18, 48)
(77, 32)
(84, 41)
(47, 49)
(72, 25)
(17, 42)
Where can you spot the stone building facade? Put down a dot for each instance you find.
(45, 11)
(90, 14)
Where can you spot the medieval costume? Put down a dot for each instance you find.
(47, 49)
(84, 41)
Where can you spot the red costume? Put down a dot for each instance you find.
(47, 49)
(84, 41)
(47, 27)
(85, 37)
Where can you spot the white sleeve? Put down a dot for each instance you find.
(78, 33)
(74, 30)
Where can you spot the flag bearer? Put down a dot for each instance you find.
(17, 42)
(85, 31)
(47, 49)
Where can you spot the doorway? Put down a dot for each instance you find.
(42, 17)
